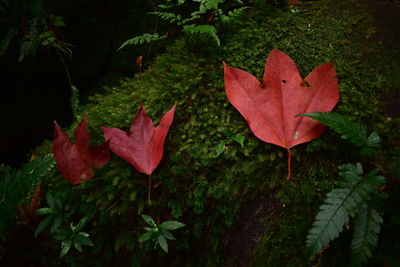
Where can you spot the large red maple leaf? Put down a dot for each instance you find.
(75, 161)
(270, 108)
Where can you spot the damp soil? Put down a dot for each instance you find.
(387, 17)
(248, 230)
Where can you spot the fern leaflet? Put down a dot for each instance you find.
(355, 132)
(142, 39)
(340, 204)
(367, 226)
(167, 16)
(202, 29)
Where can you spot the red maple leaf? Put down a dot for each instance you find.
(270, 109)
(75, 161)
(143, 145)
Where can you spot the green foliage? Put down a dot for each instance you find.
(74, 101)
(239, 139)
(367, 226)
(355, 132)
(73, 237)
(15, 185)
(5, 42)
(158, 234)
(56, 214)
(341, 203)
(205, 20)
(208, 30)
(142, 39)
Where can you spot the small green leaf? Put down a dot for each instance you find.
(220, 148)
(78, 246)
(171, 225)
(65, 246)
(148, 220)
(45, 211)
(239, 139)
(57, 222)
(50, 200)
(145, 237)
(163, 243)
(373, 140)
(81, 223)
(83, 239)
(168, 234)
(43, 224)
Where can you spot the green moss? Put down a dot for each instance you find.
(192, 183)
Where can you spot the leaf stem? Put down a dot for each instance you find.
(149, 193)
(289, 161)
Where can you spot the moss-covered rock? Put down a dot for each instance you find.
(205, 190)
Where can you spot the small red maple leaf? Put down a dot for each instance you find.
(75, 161)
(270, 109)
(143, 145)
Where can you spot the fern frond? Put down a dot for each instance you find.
(202, 29)
(15, 184)
(8, 37)
(74, 101)
(355, 132)
(142, 39)
(167, 16)
(232, 15)
(340, 204)
(367, 226)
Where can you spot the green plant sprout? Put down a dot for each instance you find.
(158, 234)
(56, 214)
(73, 237)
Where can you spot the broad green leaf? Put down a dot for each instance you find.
(148, 220)
(144, 237)
(168, 234)
(83, 239)
(65, 246)
(50, 200)
(171, 225)
(81, 223)
(43, 224)
(163, 243)
(45, 211)
(78, 246)
(57, 222)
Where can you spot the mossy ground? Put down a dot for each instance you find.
(207, 191)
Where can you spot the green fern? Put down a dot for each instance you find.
(341, 203)
(232, 15)
(74, 101)
(15, 185)
(355, 132)
(167, 16)
(209, 30)
(367, 226)
(6, 40)
(142, 39)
